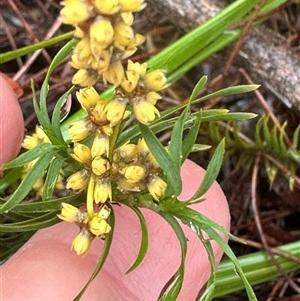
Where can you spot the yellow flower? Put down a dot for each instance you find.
(101, 34)
(115, 110)
(156, 186)
(123, 35)
(88, 98)
(99, 226)
(79, 180)
(78, 130)
(102, 190)
(114, 73)
(155, 80)
(101, 60)
(144, 111)
(100, 145)
(74, 12)
(82, 153)
(143, 148)
(85, 78)
(71, 214)
(132, 6)
(107, 7)
(127, 18)
(100, 165)
(82, 242)
(134, 173)
(152, 97)
(82, 54)
(127, 152)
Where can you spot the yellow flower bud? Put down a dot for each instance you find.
(101, 34)
(75, 12)
(144, 111)
(114, 73)
(115, 110)
(88, 98)
(104, 212)
(100, 145)
(79, 180)
(82, 153)
(41, 135)
(156, 186)
(102, 190)
(101, 60)
(99, 226)
(100, 165)
(132, 6)
(83, 49)
(82, 242)
(106, 129)
(79, 33)
(123, 35)
(123, 184)
(137, 40)
(78, 130)
(137, 67)
(127, 18)
(30, 142)
(98, 114)
(127, 151)
(85, 78)
(134, 173)
(107, 7)
(143, 148)
(155, 80)
(152, 97)
(71, 214)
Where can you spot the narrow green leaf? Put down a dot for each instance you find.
(50, 205)
(53, 173)
(105, 252)
(175, 145)
(11, 55)
(43, 221)
(212, 171)
(144, 241)
(198, 87)
(188, 143)
(30, 155)
(56, 116)
(27, 183)
(164, 160)
(10, 178)
(173, 290)
(228, 91)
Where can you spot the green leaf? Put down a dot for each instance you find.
(10, 178)
(164, 160)
(43, 221)
(144, 241)
(173, 289)
(175, 145)
(49, 205)
(228, 91)
(296, 137)
(53, 173)
(27, 183)
(194, 219)
(105, 252)
(198, 87)
(188, 144)
(56, 116)
(30, 155)
(11, 55)
(212, 171)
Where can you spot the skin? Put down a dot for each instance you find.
(46, 268)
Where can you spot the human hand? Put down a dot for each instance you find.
(45, 268)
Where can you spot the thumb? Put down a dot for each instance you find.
(11, 123)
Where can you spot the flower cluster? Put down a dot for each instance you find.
(106, 38)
